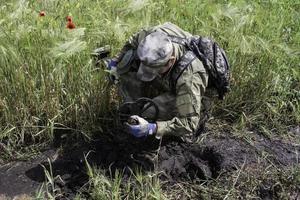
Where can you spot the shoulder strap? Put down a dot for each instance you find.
(179, 68)
(179, 40)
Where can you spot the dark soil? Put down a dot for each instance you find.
(177, 160)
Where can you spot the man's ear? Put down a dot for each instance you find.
(170, 64)
(172, 61)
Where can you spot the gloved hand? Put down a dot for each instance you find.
(112, 70)
(142, 129)
(112, 64)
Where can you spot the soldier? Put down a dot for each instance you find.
(153, 65)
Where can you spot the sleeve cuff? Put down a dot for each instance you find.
(162, 128)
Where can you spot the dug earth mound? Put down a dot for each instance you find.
(214, 154)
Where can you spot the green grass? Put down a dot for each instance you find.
(47, 78)
(138, 186)
(247, 182)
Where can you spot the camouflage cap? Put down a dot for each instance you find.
(154, 51)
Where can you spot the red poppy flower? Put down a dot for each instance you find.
(70, 24)
(68, 18)
(42, 13)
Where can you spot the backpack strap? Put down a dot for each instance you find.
(179, 68)
(179, 40)
(182, 64)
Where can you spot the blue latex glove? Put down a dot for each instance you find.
(142, 129)
(112, 70)
(112, 64)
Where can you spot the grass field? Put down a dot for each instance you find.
(47, 77)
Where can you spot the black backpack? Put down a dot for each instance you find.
(214, 59)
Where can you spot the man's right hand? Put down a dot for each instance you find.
(142, 128)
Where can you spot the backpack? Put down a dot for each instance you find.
(213, 58)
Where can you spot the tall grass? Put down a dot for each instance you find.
(137, 186)
(47, 77)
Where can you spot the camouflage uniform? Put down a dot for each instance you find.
(179, 101)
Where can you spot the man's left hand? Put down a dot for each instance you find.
(142, 129)
(111, 68)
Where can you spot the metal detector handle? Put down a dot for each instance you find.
(138, 107)
(101, 54)
(148, 103)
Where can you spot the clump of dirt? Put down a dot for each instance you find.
(13, 178)
(268, 190)
(175, 159)
(181, 161)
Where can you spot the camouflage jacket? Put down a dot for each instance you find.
(179, 100)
